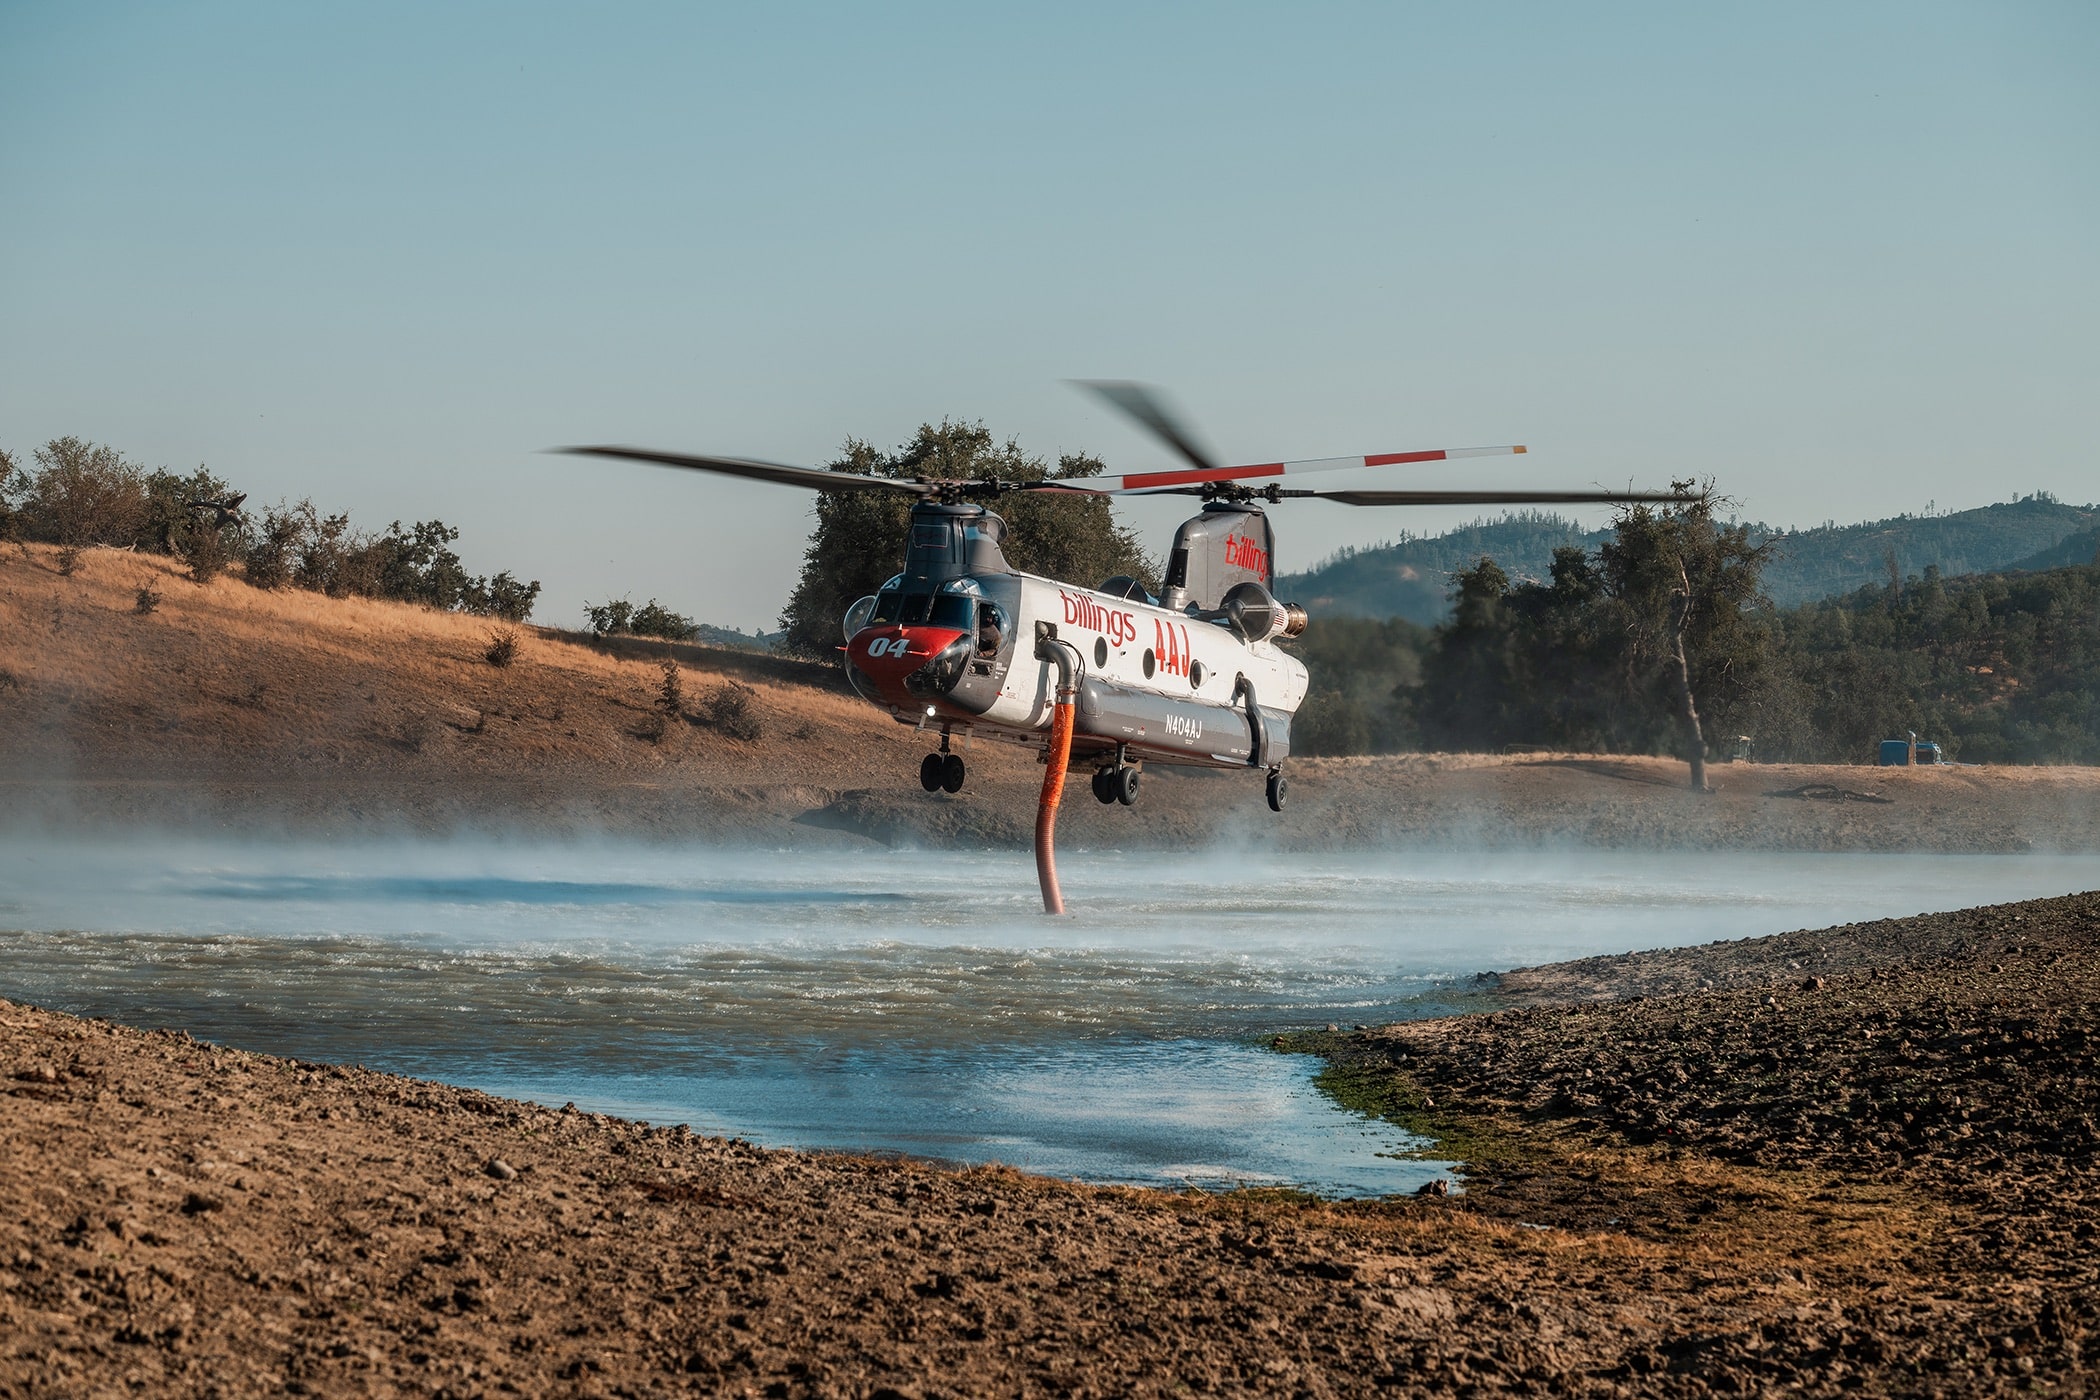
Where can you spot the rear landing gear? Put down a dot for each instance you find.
(1279, 789)
(938, 771)
(1118, 784)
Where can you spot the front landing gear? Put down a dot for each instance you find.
(1279, 789)
(942, 771)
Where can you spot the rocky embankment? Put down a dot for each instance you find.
(1860, 1159)
(1933, 1081)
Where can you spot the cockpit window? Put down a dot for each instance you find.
(951, 611)
(955, 606)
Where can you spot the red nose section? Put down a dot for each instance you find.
(886, 655)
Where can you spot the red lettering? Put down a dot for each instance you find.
(1243, 553)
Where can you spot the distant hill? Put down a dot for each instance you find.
(736, 638)
(1835, 559)
(2081, 548)
(1410, 578)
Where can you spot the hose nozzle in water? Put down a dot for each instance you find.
(1055, 759)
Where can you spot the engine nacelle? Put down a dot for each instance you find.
(1254, 615)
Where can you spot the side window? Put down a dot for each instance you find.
(991, 629)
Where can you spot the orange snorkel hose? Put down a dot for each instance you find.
(1056, 760)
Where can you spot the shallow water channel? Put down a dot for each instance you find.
(889, 1001)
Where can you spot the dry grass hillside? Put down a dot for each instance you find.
(236, 706)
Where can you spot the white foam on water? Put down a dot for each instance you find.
(913, 1002)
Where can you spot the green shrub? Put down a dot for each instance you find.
(81, 494)
(268, 557)
(730, 711)
(652, 619)
(670, 696)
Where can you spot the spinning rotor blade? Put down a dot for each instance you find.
(812, 477)
(1496, 498)
(1154, 483)
(1145, 406)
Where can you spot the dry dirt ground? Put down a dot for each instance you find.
(1860, 1160)
(232, 707)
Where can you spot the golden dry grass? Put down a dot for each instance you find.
(229, 678)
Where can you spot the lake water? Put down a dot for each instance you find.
(888, 1001)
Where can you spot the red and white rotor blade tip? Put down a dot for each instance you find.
(1139, 482)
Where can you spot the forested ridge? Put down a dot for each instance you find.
(1997, 667)
(1410, 577)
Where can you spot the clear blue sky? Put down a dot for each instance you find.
(1843, 258)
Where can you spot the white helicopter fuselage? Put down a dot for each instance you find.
(955, 649)
(1145, 650)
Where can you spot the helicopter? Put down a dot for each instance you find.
(959, 643)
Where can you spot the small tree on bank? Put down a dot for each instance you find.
(1686, 587)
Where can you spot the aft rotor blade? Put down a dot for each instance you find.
(1144, 405)
(1146, 483)
(1498, 498)
(814, 478)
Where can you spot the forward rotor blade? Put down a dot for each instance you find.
(812, 477)
(1150, 483)
(1497, 498)
(1143, 405)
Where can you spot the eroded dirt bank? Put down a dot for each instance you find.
(1883, 1182)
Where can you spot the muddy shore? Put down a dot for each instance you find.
(1859, 1158)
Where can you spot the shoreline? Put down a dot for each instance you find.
(1688, 1169)
(1411, 802)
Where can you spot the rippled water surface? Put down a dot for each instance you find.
(887, 1001)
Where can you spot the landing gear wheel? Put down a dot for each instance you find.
(952, 771)
(930, 772)
(1105, 786)
(1126, 783)
(1279, 789)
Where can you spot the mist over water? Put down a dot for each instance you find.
(915, 1002)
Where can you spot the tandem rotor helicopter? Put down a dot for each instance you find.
(962, 643)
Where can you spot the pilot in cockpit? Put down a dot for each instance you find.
(989, 634)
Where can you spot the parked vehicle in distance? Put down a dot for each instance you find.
(1901, 753)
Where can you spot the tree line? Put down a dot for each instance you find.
(79, 494)
(1662, 640)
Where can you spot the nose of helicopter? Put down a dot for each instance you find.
(909, 664)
